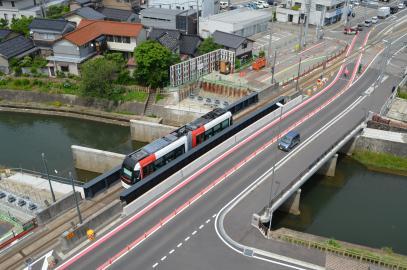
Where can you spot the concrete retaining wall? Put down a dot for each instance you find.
(58, 208)
(73, 237)
(206, 158)
(144, 131)
(95, 103)
(176, 116)
(95, 160)
(381, 146)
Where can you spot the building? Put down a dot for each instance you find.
(75, 4)
(241, 46)
(119, 15)
(321, 11)
(45, 32)
(176, 41)
(121, 4)
(17, 8)
(16, 47)
(243, 22)
(91, 38)
(7, 34)
(184, 20)
(86, 13)
(207, 7)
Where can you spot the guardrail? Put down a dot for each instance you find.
(352, 253)
(55, 178)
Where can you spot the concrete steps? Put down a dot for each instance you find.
(148, 110)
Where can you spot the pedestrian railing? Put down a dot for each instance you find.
(391, 261)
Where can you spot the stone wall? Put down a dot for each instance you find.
(95, 160)
(94, 103)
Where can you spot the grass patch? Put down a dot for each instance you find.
(159, 97)
(134, 96)
(381, 160)
(402, 94)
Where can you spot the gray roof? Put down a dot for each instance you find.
(82, 2)
(228, 40)
(169, 41)
(49, 24)
(4, 33)
(15, 46)
(116, 14)
(189, 44)
(160, 11)
(156, 33)
(89, 13)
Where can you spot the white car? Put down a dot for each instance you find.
(223, 5)
(258, 4)
(374, 20)
(400, 6)
(264, 3)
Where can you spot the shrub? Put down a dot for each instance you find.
(296, 8)
(17, 71)
(262, 54)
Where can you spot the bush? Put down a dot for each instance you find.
(262, 54)
(60, 74)
(333, 243)
(17, 71)
(296, 8)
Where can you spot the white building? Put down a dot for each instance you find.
(243, 22)
(321, 11)
(207, 7)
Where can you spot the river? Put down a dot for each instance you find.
(357, 205)
(23, 137)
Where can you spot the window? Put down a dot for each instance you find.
(117, 39)
(319, 7)
(65, 68)
(1, 3)
(225, 124)
(110, 38)
(12, 4)
(244, 45)
(126, 39)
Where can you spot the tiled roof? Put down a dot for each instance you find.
(115, 14)
(189, 44)
(15, 46)
(228, 40)
(169, 41)
(49, 24)
(88, 30)
(4, 33)
(89, 13)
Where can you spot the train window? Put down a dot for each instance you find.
(217, 128)
(199, 139)
(127, 172)
(159, 163)
(208, 133)
(148, 169)
(225, 124)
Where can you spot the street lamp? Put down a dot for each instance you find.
(76, 199)
(49, 180)
(274, 163)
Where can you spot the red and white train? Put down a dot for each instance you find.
(155, 155)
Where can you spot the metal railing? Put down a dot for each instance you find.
(55, 178)
(385, 260)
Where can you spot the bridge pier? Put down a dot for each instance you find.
(349, 147)
(292, 205)
(329, 167)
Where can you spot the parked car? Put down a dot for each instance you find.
(208, 100)
(374, 20)
(11, 198)
(32, 206)
(259, 5)
(252, 5)
(263, 3)
(223, 4)
(271, 2)
(368, 23)
(383, 12)
(400, 6)
(289, 141)
(200, 98)
(350, 31)
(360, 26)
(394, 9)
(21, 202)
(2, 194)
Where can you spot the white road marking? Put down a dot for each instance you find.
(186, 239)
(163, 258)
(155, 265)
(384, 78)
(194, 232)
(179, 245)
(200, 227)
(171, 251)
(208, 221)
(214, 216)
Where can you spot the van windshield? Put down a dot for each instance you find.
(285, 139)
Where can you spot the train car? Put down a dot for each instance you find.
(146, 160)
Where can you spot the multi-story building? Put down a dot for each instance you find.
(322, 12)
(207, 7)
(15, 9)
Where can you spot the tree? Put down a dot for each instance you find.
(21, 25)
(153, 63)
(3, 23)
(208, 45)
(56, 11)
(97, 76)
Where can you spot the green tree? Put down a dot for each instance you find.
(153, 64)
(97, 76)
(21, 25)
(208, 45)
(56, 11)
(116, 57)
(3, 23)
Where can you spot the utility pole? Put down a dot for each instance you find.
(298, 77)
(197, 17)
(271, 35)
(300, 37)
(273, 67)
(308, 11)
(76, 199)
(44, 162)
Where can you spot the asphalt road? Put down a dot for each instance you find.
(203, 250)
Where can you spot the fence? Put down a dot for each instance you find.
(18, 231)
(388, 261)
(55, 178)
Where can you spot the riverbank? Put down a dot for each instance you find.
(382, 162)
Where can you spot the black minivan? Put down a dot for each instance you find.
(289, 141)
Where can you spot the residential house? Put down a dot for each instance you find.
(241, 46)
(83, 13)
(184, 20)
(93, 37)
(122, 4)
(16, 8)
(243, 22)
(16, 47)
(322, 12)
(176, 41)
(75, 4)
(7, 34)
(119, 15)
(45, 32)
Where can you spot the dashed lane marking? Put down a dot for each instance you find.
(163, 258)
(155, 265)
(186, 239)
(208, 221)
(200, 227)
(194, 232)
(179, 245)
(171, 251)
